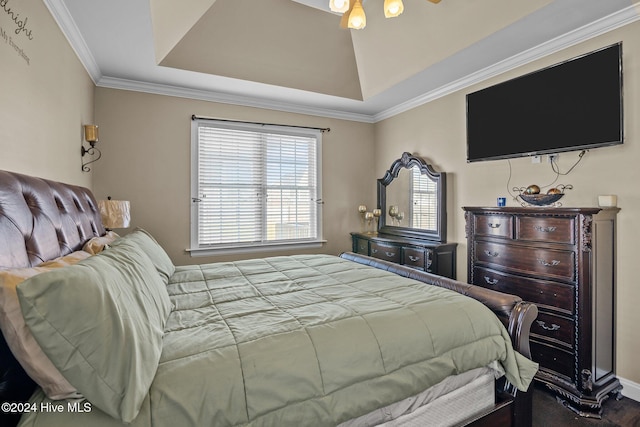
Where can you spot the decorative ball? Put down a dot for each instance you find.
(554, 191)
(532, 189)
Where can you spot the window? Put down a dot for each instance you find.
(254, 186)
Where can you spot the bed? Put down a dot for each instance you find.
(130, 339)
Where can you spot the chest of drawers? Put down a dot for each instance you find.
(563, 260)
(434, 257)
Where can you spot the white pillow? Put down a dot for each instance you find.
(18, 336)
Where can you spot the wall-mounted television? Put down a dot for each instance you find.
(573, 105)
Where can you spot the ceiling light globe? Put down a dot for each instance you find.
(393, 8)
(356, 23)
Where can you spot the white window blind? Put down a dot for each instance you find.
(423, 201)
(254, 185)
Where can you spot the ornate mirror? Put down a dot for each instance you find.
(412, 198)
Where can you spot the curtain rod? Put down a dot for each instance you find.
(194, 117)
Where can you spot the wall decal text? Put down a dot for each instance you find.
(22, 30)
(9, 40)
(21, 23)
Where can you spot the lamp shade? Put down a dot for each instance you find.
(340, 6)
(393, 8)
(357, 18)
(115, 213)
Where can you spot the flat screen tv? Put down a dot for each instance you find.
(573, 105)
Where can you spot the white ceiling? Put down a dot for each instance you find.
(291, 55)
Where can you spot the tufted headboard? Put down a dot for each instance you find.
(40, 220)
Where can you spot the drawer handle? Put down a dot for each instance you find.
(389, 254)
(413, 258)
(491, 253)
(494, 225)
(544, 229)
(544, 326)
(490, 281)
(549, 264)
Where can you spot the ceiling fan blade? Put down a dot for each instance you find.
(434, 1)
(344, 21)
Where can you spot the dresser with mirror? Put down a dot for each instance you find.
(412, 225)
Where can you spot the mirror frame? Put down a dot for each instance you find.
(407, 161)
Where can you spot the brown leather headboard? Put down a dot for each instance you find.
(41, 220)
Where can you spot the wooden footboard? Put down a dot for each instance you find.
(513, 407)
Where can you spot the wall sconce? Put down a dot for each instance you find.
(114, 213)
(91, 136)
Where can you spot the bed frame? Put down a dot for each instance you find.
(513, 407)
(41, 220)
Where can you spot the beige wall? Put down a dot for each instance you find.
(437, 132)
(145, 141)
(45, 97)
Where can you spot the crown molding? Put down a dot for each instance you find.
(604, 25)
(63, 18)
(246, 101)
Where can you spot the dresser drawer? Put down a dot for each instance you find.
(386, 252)
(545, 229)
(361, 246)
(545, 294)
(427, 255)
(494, 225)
(540, 262)
(553, 358)
(413, 257)
(555, 328)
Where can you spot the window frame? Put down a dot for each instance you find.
(264, 246)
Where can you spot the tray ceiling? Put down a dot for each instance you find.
(292, 55)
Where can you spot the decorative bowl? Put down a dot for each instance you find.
(550, 198)
(541, 199)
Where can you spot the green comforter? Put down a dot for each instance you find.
(301, 341)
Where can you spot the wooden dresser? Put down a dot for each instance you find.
(426, 255)
(563, 260)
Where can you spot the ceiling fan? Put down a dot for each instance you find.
(353, 15)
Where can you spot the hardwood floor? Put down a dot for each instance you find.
(547, 412)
